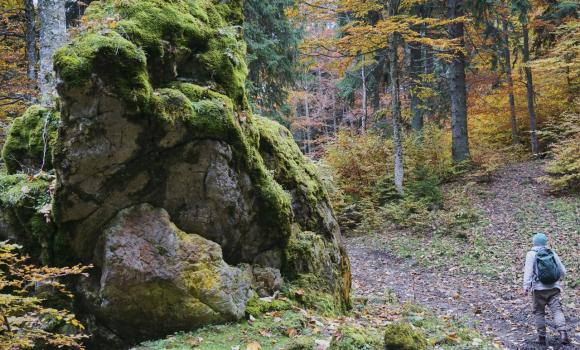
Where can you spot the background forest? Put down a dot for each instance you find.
(445, 132)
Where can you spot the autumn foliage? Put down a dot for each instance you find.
(27, 320)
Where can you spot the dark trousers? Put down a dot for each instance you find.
(550, 298)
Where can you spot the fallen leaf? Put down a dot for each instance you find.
(254, 346)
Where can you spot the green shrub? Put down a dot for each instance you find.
(425, 186)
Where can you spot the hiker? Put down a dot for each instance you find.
(542, 275)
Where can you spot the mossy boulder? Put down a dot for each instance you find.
(29, 141)
(179, 281)
(153, 111)
(402, 336)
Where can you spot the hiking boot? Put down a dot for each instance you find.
(542, 339)
(564, 339)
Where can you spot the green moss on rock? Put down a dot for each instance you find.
(290, 166)
(30, 141)
(402, 336)
(117, 61)
(200, 40)
(316, 280)
(27, 202)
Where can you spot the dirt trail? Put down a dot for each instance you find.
(495, 309)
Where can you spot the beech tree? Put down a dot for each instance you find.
(52, 14)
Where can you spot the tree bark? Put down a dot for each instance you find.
(416, 70)
(52, 15)
(308, 127)
(457, 86)
(334, 124)
(364, 98)
(508, 72)
(396, 111)
(30, 38)
(530, 91)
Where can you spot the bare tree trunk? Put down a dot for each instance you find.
(508, 72)
(396, 111)
(334, 126)
(364, 98)
(52, 15)
(308, 128)
(30, 38)
(416, 68)
(530, 90)
(456, 76)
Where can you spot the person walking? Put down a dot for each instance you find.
(543, 273)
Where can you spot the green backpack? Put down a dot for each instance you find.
(547, 269)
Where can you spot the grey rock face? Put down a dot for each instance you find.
(108, 160)
(267, 280)
(156, 278)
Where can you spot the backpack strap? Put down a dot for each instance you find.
(535, 268)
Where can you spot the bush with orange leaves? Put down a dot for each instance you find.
(26, 320)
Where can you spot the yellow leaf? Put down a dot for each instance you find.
(254, 346)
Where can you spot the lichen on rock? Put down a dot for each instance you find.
(180, 280)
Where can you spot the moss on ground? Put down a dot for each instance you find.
(363, 329)
(258, 306)
(355, 338)
(30, 140)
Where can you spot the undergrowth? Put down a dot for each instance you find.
(300, 329)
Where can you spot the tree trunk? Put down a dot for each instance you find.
(364, 98)
(456, 76)
(396, 111)
(30, 38)
(334, 124)
(416, 70)
(52, 15)
(308, 127)
(508, 72)
(530, 90)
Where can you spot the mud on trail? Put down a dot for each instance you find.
(514, 202)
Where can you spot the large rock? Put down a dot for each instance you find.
(153, 110)
(179, 281)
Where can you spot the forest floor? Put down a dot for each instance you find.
(475, 277)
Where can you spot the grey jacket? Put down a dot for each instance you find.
(530, 281)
